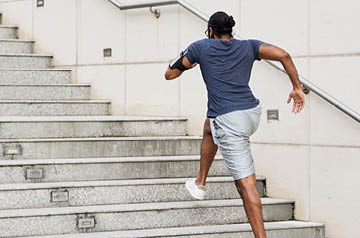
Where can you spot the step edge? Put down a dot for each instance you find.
(50, 69)
(54, 101)
(191, 230)
(110, 118)
(108, 183)
(47, 85)
(9, 26)
(17, 40)
(137, 159)
(100, 139)
(27, 55)
(158, 206)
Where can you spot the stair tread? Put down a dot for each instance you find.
(28, 55)
(86, 118)
(137, 159)
(135, 138)
(192, 230)
(17, 40)
(50, 69)
(9, 26)
(134, 207)
(110, 183)
(54, 101)
(47, 85)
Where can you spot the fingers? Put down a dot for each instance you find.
(294, 107)
(298, 107)
(299, 102)
(302, 106)
(289, 100)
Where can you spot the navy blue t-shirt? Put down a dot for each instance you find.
(226, 69)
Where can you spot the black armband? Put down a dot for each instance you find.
(177, 63)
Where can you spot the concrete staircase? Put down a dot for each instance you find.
(69, 169)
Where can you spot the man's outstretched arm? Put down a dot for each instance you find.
(174, 73)
(271, 52)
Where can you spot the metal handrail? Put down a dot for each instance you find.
(333, 101)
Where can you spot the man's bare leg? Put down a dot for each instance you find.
(252, 204)
(208, 151)
(245, 186)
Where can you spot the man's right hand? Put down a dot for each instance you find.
(270, 52)
(298, 96)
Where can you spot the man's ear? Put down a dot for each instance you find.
(211, 32)
(186, 62)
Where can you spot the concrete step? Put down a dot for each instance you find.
(64, 194)
(97, 147)
(35, 76)
(15, 46)
(45, 92)
(64, 220)
(90, 126)
(25, 61)
(280, 229)
(54, 108)
(8, 32)
(87, 169)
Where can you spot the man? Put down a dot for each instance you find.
(233, 111)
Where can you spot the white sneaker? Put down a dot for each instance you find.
(195, 190)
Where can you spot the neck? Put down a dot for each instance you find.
(223, 37)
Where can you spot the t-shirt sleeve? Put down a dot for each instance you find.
(255, 45)
(193, 52)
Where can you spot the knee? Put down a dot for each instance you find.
(245, 186)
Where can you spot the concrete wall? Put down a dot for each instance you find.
(312, 157)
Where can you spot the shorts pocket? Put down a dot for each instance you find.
(219, 132)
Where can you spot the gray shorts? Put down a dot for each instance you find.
(231, 132)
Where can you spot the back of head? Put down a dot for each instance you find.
(221, 23)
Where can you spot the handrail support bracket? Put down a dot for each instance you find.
(155, 11)
(305, 89)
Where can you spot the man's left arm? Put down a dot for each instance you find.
(172, 73)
